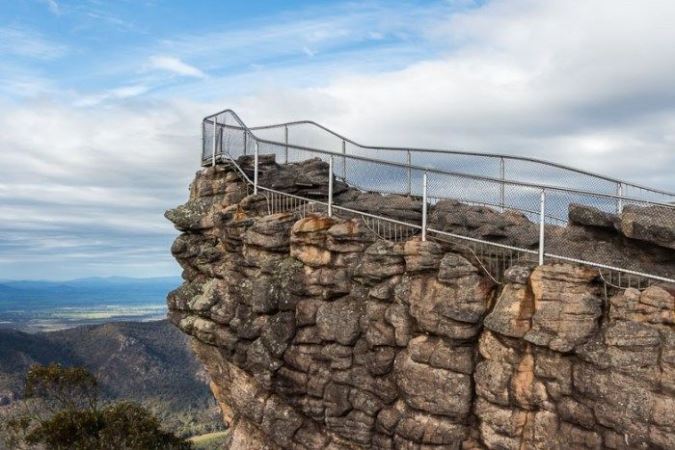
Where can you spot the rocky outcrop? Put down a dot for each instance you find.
(318, 334)
(640, 238)
(598, 383)
(655, 224)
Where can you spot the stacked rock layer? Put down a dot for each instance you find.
(318, 335)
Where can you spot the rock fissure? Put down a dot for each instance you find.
(317, 334)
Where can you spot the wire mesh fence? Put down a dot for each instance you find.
(597, 241)
(508, 167)
(509, 197)
(493, 259)
(282, 202)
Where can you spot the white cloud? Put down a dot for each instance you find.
(119, 93)
(582, 83)
(175, 65)
(587, 84)
(16, 81)
(53, 6)
(22, 42)
(337, 28)
(97, 178)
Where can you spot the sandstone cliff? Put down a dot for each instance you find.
(319, 335)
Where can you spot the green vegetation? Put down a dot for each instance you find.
(62, 411)
(209, 441)
(150, 363)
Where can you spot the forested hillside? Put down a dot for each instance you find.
(148, 362)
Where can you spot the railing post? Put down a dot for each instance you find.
(409, 173)
(286, 142)
(542, 211)
(619, 200)
(502, 176)
(221, 142)
(213, 151)
(424, 207)
(344, 161)
(330, 187)
(255, 169)
(245, 134)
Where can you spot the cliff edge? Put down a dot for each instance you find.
(318, 333)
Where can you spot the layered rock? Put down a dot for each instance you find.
(318, 334)
(576, 377)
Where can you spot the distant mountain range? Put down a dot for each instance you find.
(149, 362)
(51, 305)
(36, 290)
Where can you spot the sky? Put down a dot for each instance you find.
(101, 101)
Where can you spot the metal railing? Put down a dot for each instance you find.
(311, 134)
(543, 204)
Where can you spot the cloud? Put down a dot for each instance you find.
(335, 31)
(582, 83)
(97, 180)
(53, 6)
(18, 81)
(119, 93)
(175, 65)
(542, 79)
(22, 42)
(309, 52)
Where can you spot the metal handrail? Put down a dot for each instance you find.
(218, 142)
(453, 235)
(549, 187)
(527, 184)
(445, 151)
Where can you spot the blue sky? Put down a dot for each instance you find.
(100, 101)
(128, 48)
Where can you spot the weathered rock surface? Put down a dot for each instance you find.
(318, 334)
(640, 239)
(591, 217)
(654, 224)
(482, 222)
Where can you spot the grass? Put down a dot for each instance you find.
(209, 441)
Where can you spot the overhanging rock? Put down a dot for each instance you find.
(318, 334)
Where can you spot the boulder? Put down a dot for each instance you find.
(653, 224)
(484, 223)
(591, 217)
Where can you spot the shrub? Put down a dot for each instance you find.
(62, 412)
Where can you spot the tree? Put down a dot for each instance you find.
(62, 411)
